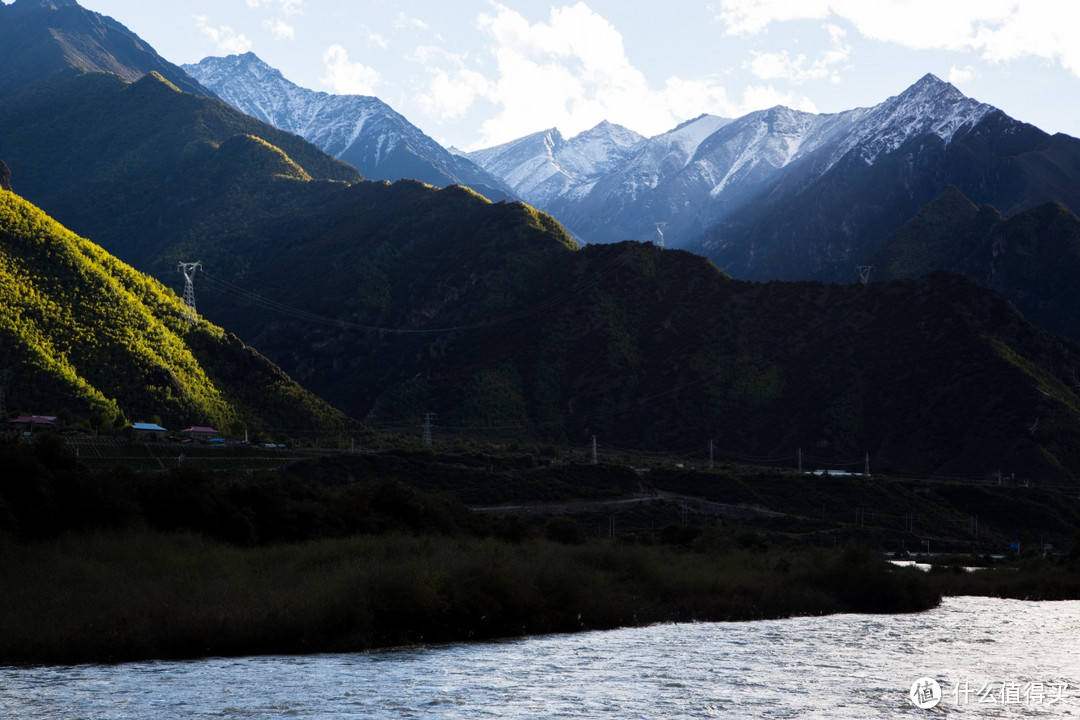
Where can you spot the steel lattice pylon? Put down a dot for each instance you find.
(189, 270)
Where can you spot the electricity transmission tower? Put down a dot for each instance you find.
(189, 270)
(425, 439)
(864, 273)
(660, 234)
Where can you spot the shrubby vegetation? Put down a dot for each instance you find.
(349, 552)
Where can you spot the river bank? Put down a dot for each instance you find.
(120, 596)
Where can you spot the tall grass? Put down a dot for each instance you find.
(115, 596)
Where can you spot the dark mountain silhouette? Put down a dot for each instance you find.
(39, 38)
(1032, 258)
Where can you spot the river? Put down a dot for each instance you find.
(989, 657)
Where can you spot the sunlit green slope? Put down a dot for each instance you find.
(84, 333)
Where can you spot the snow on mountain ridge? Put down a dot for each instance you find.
(697, 173)
(544, 165)
(358, 129)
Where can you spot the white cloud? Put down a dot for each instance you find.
(995, 30)
(570, 72)
(453, 87)
(781, 65)
(288, 7)
(226, 39)
(375, 39)
(280, 29)
(750, 17)
(690, 98)
(757, 97)
(405, 21)
(346, 77)
(959, 76)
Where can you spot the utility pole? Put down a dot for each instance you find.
(425, 440)
(594, 461)
(189, 269)
(710, 454)
(5, 375)
(866, 466)
(800, 461)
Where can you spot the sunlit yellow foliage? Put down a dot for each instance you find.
(74, 313)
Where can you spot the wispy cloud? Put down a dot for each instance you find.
(572, 71)
(406, 21)
(992, 30)
(452, 88)
(227, 40)
(783, 66)
(346, 77)
(280, 29)
(287, 7)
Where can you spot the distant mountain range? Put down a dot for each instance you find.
(360, 130)
(393, 300)
(776, 194)
(791, 195)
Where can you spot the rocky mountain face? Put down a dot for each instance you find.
(785, 194)
(544, 166)
(40, 38)
(360, 130)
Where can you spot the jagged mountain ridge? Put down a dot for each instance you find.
(39, 38)
(786, 194)
(719, 163)
(543, 166)
(358, 129)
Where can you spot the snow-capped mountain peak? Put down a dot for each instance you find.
(545, 165)
(606, 187)
(359, 129)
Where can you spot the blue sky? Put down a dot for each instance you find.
(474, 73)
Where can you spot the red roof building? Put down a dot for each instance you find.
(33, 423)
(200, 432)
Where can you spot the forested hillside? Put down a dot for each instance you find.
(87, 336)
(1032, 258)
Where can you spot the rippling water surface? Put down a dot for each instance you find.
(992, 658)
